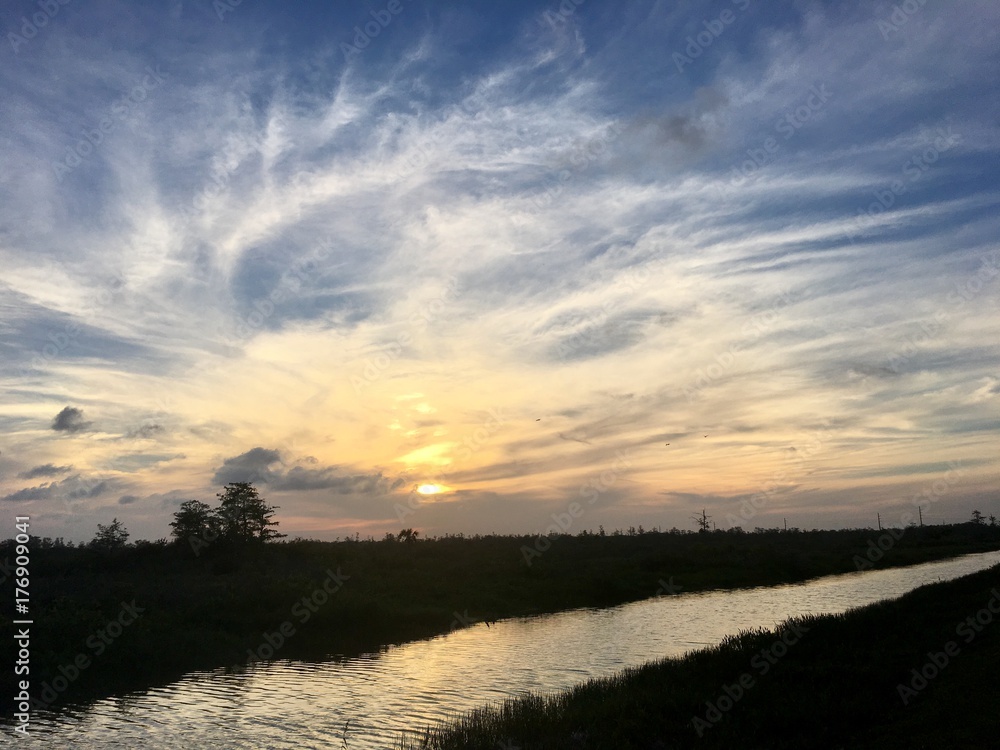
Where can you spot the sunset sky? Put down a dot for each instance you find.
(648, 257)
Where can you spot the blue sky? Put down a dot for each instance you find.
(648, 257)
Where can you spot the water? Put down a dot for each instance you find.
(288, 704)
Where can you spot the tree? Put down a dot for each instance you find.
(977, 517)
(702, 521)
(194, 519)
(243, 516)
(407, 535)
(111, 537)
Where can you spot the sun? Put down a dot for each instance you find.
(430, 489)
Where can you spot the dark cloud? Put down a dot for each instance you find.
(87, 490)
(70, 419)
(75, 487)
(145, 431)
(678, 129)
(299, 478)
(691, 130)
(29, 493)
(45, 470)
(257, 465)
(168, 501)
(252, 466)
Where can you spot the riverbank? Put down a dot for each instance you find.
(916, 672)
(145, 615)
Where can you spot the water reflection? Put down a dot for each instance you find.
(306, 705)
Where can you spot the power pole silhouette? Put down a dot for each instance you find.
(879, 516)
(920, 512)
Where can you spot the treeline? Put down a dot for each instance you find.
(197, 522)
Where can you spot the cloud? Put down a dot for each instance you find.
(40, 338)
(145, 431)
(257, 465)
(86, 490)
(76, 487)
(45, 470)
(252, 466)
(599, 335)
(989, 389)
(30, 493)
(299, 478)
(136, 462)
(691, 130)
(70, 420)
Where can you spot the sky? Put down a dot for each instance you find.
(473, 267)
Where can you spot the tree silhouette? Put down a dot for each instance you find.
(407, 535)
(243, 516)
(977, 517)
(703, 522)
(111, 537)
(194, 519)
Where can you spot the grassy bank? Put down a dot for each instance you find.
(835, 683)
(215, 609)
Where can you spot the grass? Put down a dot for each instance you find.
(836, 687)
(205, 612)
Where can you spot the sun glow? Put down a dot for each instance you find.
(430, 489)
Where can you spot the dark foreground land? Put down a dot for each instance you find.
(107, 622)
(917, 672)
